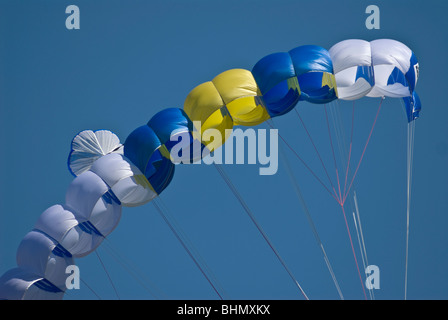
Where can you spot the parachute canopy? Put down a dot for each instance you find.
(380, 68)
(110, 175)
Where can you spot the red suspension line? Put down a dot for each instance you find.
(350, 151)
(334, 157)
(353, 251)
(306, 166)
(363, 152)
(318, 154)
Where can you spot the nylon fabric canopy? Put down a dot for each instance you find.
(110, 175)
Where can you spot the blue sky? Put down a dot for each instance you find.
(131, 59)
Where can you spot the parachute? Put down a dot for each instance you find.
(381, 68)
(110, 175)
